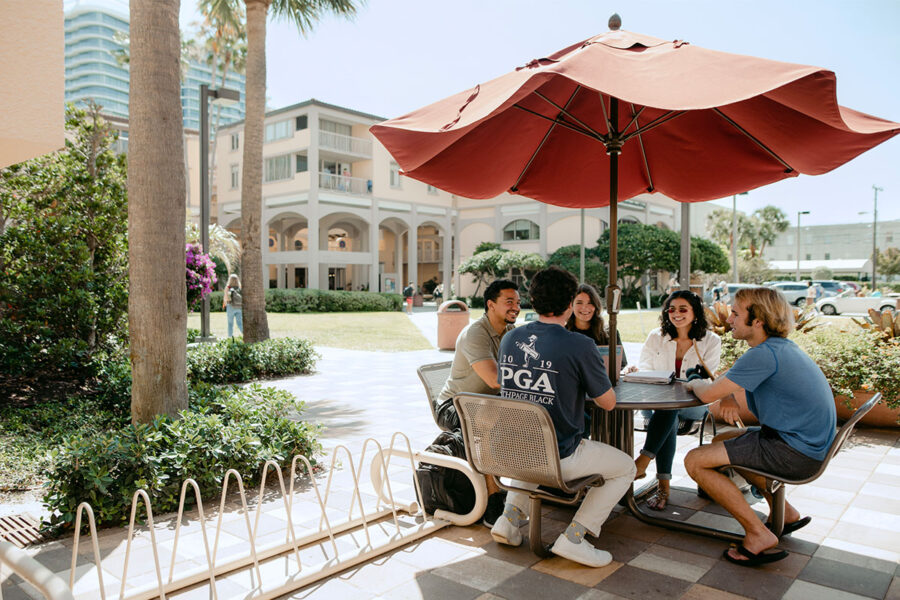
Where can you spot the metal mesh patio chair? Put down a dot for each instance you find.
(433, 377)
(516, 439)
(775, 484)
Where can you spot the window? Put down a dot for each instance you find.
(302, 165)
(301, 123)
(889, 237)
(332, 127)
(521, 229)
(277, 168)
(432, 190)
(235, 141)
(278, 130)
(808, 256)
(395, 175)
(235, 176)
(827, 256)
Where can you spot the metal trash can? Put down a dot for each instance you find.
(452, 316)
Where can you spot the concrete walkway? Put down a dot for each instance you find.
(851, 550)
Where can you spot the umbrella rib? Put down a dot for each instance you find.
(534, 154)
(653, 124)
(634, 117)
(567, 113)
(789, 168)
(590, 134)
(641, 144)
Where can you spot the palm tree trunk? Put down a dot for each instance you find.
(157, 305)
(256, 326)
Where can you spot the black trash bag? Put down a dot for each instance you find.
(441, 487)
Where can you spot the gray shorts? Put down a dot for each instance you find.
(763, 449)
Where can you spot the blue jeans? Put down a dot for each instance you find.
(661, 437)
(234, 314)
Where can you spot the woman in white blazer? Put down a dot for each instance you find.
(682, 342)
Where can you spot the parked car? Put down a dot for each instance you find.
(794, 291)
(831, 287)
(710, 295)
(848, 302)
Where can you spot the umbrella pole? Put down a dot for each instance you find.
(613, 293)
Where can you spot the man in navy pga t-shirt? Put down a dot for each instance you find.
(544, 363)
(789, 395)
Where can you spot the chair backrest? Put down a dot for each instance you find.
(844, 433)
(433, 377)
(509, 438)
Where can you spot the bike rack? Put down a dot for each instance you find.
(386, 507)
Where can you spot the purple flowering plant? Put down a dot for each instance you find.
(200, 275)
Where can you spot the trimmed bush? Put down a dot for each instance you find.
(320, 301)
(236, 428)
(233, 361)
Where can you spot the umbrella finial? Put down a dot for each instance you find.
(615, 21)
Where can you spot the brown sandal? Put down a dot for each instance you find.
(658, 500)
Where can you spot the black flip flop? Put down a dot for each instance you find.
(790, 528)
(754, 560)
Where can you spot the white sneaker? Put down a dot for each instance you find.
(583, 553)
(504, 532)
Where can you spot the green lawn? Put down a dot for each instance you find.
(384, 331)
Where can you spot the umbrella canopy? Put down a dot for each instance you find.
(694, 124)
(631, 114)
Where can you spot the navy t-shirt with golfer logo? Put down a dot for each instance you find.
(556, 368)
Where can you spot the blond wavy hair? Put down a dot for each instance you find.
(770, 307)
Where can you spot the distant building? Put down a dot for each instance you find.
(337, 212)
(845, 248)
(92, 71)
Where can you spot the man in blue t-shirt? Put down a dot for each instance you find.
(789, 395)
(544, 363)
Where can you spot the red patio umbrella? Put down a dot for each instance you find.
(631, 114)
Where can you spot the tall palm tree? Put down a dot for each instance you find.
(157, 317)
(304, 14)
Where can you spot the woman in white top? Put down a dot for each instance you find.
(233, 304)
(682, 342)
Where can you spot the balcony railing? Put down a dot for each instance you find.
(345, 183)
(345, 143)
(429, 255)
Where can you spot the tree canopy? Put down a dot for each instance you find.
(755, 232)
(63, 253)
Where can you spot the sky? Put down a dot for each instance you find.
(398, 55)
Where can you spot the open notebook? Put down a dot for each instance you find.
(661, 377)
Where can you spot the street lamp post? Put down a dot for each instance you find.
(874, 238)
(734, 239)
(800, 212)
(222, 96)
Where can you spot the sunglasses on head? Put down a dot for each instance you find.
(679, 309)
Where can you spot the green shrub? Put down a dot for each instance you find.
(29, 433)
(237, 428)
(233, 361)
(318, 301)
(63, 254)
(192, 335)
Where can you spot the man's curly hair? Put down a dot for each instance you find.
(552, 291)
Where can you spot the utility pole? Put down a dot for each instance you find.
(874, 238)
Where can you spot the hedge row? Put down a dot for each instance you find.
(308, 300)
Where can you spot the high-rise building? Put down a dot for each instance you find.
(93, 72)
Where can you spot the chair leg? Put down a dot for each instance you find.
(534, 531)
(777, 517)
